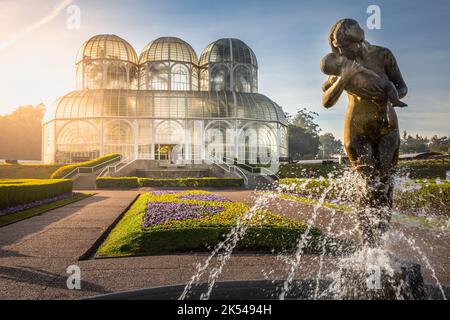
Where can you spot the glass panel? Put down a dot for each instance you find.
(220, 78)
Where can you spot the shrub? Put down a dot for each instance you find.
(309, 170)
(64, 170)
(120, 182)
(266, 231)
(27, 171)
(16, 192)
(429, 195)
(135, 182)
(425, 169)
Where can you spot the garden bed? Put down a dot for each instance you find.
(184, 221)
(416, 169)
(415, 197)
(43, 207)
(15, 192)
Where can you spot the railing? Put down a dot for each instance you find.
(229, 168)
(115, 168)
(267, 172)
(79, 170)
(245, 166)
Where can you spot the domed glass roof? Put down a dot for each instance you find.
(228, 50)
(107, 46)
(162, 104)
(168, 49)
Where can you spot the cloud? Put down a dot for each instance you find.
(29, 29)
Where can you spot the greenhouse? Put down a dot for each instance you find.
(165, 105)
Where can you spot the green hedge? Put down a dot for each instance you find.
(425, 169)
(27, 171)
(22, 191)
(122, 182)
(64, 170)
(309, 170)
(135, 182)
(417, 169)
(266, 231)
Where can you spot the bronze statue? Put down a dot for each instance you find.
(369, 74)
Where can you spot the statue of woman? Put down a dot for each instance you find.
(371, 146)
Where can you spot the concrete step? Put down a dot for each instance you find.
(84, 181)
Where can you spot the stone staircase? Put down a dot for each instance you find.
(84, 181)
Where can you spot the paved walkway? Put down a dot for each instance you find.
(35, 253)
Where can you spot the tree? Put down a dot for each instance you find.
(330, 146)
(21, 133)
(303, 137)
(440, 144)
(305, 119)
(417, 144)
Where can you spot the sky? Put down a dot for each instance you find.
(38, 49)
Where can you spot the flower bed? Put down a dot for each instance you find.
(161, 212)
(34, 204)
(17, 192)
(177, 222)
(204, 197)
(429, 195)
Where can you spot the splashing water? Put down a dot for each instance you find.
(353, 265)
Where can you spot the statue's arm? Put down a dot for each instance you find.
(394, 74)
(333, 89)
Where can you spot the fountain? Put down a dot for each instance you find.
(374, 83)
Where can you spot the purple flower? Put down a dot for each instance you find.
(204, 197)
(160, 212)
(33, 204)
(158, 192)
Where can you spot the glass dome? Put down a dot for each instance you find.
(162, 104)
(107, 46)
(228, 50)
(168, 49)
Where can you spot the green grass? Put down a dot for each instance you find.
(31, 212)
(266, 231)
(27, 171)
(310, 201)
(425, 169)
(431, 222)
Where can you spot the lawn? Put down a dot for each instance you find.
(185, 221)
(27, 171)
(28, 213)
(430, 196)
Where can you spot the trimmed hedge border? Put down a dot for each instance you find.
(62, 171)
(21, 191)
(417, 169)
(136, 182)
